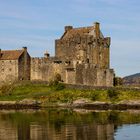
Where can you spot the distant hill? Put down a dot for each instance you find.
(132, 79)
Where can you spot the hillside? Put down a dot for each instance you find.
(132, 79)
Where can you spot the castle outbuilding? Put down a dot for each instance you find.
(14, 65)
(82, 57)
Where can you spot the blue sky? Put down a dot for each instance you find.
(37, 23)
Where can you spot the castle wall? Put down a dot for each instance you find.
(101, 80)
(90, 75)
(87, 74)
(46, 71)
(8, 70)
(84, 49)
(71, 76)
(79, 74)
(105, 77)
(24, 67)
(109, 77)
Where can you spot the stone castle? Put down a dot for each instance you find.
(82, 56)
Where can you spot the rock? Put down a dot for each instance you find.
(29, 102)
(81, 101)
(130, 102)
(99, 103)
(7, 102)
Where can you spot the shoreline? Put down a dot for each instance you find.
(39, 95)
(102, 106)
(9, 105)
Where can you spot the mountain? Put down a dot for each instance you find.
(132, 79)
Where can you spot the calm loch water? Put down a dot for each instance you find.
(54, 124)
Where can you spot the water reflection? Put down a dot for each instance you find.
(55, 124)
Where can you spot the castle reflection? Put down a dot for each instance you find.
(60, 125)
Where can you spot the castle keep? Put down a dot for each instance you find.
(81, 57)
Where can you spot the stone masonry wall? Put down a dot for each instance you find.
(8, 70)
(24, 67)
(84, 49)
(89, 52)
(46, 71)
(70, 76)
(87, 74)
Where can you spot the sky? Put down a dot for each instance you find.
(37, 23)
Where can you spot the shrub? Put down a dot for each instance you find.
(113, 93)
(95, 96)
(118, 81)
(59, 86)
(55, 85)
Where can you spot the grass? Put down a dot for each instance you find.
(20, 92)
(58, 93)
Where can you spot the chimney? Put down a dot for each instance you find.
(67, 28)
(46, 55)
(0, 53)
(97, 29)
(24, 48)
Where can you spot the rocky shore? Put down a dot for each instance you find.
(24, 104)
(81, 103)
(89, 106)
(84, 104)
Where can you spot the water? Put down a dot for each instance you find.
(55, 124)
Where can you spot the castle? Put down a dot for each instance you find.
(81, 57)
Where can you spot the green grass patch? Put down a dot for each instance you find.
(56, 92)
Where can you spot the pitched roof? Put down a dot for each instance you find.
(11, 54)
(77, 31)
(80, 31)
